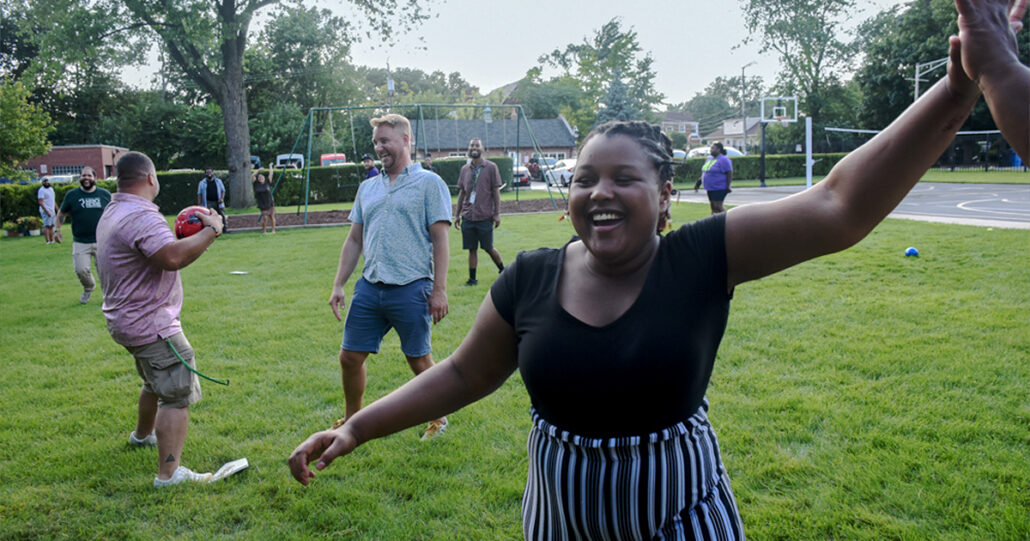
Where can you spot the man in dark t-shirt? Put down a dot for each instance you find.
(85, 205)
(369, 164)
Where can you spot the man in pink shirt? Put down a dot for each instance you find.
(138, 259)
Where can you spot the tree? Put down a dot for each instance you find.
(275, 129)
(616, 103)
(301, 57)
(729, 88)
(69, 55)
(24, 128)
(895, 41)
(679, 140)
(593, 62)
(809, 37)
(149, 123)
(547, 99)
(16, 49)
(720, 100)
(709, 111)
(207, 41)
(412, 85)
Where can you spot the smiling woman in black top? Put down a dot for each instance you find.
(592, 320)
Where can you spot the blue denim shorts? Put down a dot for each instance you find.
(377, 308)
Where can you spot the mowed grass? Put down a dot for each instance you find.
(863, 395)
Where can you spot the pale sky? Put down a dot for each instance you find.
(692, 41)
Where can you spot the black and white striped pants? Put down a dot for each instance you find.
(669, 484)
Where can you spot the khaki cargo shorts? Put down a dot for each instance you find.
(163, 375)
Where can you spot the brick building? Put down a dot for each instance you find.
(678, 122)
(70, 159)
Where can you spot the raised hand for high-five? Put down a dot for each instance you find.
(990, 57)
(987, 30)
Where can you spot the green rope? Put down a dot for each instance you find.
(187, 365)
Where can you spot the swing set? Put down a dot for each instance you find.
(320, 118)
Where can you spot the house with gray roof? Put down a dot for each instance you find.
(554, 137)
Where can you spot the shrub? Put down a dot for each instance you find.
(749, 167)
(30, 223)
(20, 199)
(450, 168)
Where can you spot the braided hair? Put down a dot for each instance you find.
(656, 145)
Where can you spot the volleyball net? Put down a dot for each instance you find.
(984, 150)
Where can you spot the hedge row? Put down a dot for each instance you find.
(340, 184)
(776, 166)
(18, 200)
(325, 184)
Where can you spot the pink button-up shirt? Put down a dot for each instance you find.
(141, 301)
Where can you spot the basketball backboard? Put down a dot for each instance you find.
(782, 109)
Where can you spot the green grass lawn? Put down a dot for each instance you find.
(863, 395)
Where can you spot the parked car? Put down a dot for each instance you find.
(678, 154)
(60, 179)
(701, 152)
(520, 176)
(295, 161)
(333, 160)
(255, 162)
(545, 161)
(560, 173)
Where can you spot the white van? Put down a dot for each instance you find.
(295, 161)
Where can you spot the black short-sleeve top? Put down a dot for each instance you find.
(645, 371)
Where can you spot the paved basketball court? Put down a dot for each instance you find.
(989, 205)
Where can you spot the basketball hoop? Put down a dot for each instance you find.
(784, 121)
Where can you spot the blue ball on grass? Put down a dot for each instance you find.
(911, 252)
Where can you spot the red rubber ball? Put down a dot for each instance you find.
(187, 223)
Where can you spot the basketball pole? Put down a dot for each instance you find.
(761, 168)
(809, 162)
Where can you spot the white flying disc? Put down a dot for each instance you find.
(238, 272)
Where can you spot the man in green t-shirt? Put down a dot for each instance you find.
(84, 204)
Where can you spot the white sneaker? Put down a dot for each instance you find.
(181, 475)
(149, 441)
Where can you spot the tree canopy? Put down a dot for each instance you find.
(897, 39)
(24, 127)
(811, 40)
(612, 57)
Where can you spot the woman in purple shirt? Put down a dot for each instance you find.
(717, 174)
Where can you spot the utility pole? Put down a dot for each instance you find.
(743, 109)
(389, 86)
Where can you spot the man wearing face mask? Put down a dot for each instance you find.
(85, 205)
